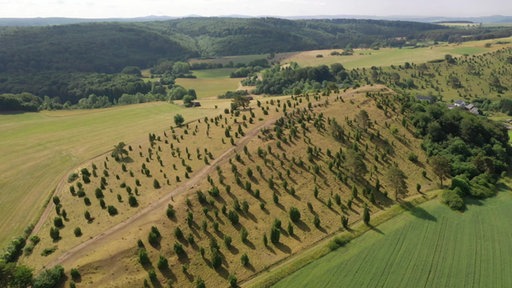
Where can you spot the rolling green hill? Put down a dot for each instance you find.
(109, 47)
(103, 47)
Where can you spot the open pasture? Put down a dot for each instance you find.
(39, 149)
(431, 246)
(210, 83)
(390, 56)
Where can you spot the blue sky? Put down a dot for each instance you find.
(130, 8)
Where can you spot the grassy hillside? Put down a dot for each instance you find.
(486, 76)
(391, 56)
(284, 160)
(39, 148)
(428, 246)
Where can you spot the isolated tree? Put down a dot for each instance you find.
(337, 131)
(275, 234)
(366, 215)
(441, 166)
(355, 164)
(240, 101)
(397, 179)
(233, 282)
(179, 120)
(362, 119)
(244, 259)
(294, 214)
(119, 152)
(54, 233)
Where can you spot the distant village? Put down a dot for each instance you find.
(471, 108)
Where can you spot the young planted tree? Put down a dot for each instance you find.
(366, 215)
(294, 214)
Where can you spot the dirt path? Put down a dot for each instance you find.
(162, 202)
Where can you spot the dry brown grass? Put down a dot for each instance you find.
(111, 259)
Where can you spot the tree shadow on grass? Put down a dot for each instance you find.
(284, 248)
(168, 274)
(223, 272)
(250, 267)
(249, 244)
(375, 229)
(294, 236)
(471, 201)
(233, 250)
(156, 283)
(417, 211)
(302, 226)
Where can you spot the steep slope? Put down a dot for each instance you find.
(320, 158)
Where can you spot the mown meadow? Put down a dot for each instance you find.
(39, 150)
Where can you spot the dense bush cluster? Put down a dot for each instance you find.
(472, 149)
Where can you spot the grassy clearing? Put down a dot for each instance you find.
(210, 83)
(39, 149)
(243, 59)
(390, 56)
(432, 246)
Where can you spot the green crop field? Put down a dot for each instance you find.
(39, 149)
(210, 83)
(430, 247)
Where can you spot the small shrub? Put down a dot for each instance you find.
(152, 275)
(227, 241)
(78, 232)
(57, 221)
(162, 263)
(178, 249)
(233, 282)
(294, 214)
(54, 233)
(112, 211)
(72, 177)
(132, 200)
(143, 257)
(171, 213)
(156, 184)
(453, 199)
(244, 234)
(75, 274)
(316, 221)
(244, 259)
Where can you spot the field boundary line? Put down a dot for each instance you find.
(316, 250)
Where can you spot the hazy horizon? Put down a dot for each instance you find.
(276, 8)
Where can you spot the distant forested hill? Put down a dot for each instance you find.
(54, 60)
(105, 47)
(109, 47)
(232, 36)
